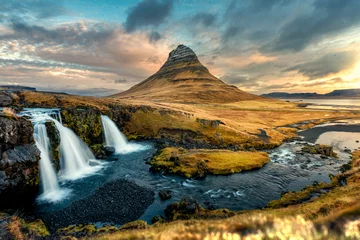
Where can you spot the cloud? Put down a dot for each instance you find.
(154, 36)
(148, 13)
(242, 19)
(235, 79)
(80, 33)
(117, 81)
(330, 63)
(153, 60)
(327, 17)
(206, 19)
(40, 9)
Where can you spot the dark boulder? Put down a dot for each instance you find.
(109, 150)
(165, 194)
(187, 206)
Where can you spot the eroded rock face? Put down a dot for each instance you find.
(181, 54)
(18, 162)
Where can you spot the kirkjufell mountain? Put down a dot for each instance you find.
(183, 78)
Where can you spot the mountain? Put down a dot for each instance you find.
(344, 93)
(183, 78)
(16, 88)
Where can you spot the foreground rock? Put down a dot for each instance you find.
(189, 208)
(200, 162)
(18, 162)
(324, 150)
(117, 202)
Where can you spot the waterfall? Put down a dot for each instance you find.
(77, 160)
(51, 190)
(50, 185)
(114, 138)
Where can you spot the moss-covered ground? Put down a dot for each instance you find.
(199, 162)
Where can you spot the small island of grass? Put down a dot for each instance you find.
(200, 162)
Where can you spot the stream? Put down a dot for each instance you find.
(289, 170)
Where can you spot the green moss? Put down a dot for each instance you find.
(139, 224)
(38, 228)
(199, 162)
(76, 229)
(19, 228)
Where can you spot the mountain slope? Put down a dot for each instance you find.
(183, 78)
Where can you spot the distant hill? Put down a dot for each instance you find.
(16, 88)
(344, 93)
(183, 78)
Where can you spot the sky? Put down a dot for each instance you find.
(101, 47)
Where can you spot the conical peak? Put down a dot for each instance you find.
(182, 54)
(181, 51)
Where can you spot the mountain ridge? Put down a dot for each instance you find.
(182, 78)
(340, 93)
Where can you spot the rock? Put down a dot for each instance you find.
(210, 123)
(157, 218)
(5, 99)
(19, 177)
(54, 137)
(319, 149)
(119, 202)
(109, 150)
(165, 194)
(347, 150)
(187, 206)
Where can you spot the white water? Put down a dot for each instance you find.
(114, 138)
(77, 160)
(50, 187)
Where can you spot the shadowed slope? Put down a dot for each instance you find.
(183, 78)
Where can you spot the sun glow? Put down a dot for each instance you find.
(354, 75)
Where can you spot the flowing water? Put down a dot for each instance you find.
(114, 138)
(288, 170)
(51, 190)
(77, 160)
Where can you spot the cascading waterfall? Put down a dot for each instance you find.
(77, 160)
(114, 138)
(49, 182)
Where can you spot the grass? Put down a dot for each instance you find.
(199, 162)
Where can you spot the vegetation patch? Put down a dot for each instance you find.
(199, 162)
(320, 149)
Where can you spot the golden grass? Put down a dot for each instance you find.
(9, 112)
(190, 163)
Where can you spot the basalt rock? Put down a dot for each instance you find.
(5, 99)
(18, 162)
(54, 137)
(165, 194)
